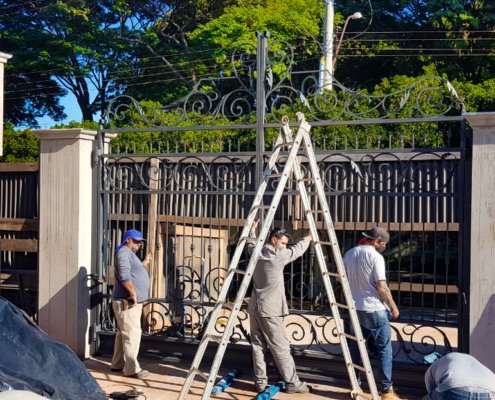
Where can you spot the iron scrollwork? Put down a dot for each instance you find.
(232, 97)
(222, 173)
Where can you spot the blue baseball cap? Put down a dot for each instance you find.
(131, 233)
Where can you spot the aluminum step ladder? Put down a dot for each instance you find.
(266, 214)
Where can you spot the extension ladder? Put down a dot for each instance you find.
(302, 141)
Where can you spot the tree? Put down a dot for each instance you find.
(68, 46)
(19, 145)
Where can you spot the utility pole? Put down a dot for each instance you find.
(261, 58)
(326, 63)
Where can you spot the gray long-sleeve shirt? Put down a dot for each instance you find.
(458, 370)
(268, 295)
(128, 267)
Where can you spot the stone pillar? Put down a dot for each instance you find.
(4, 57)
(482, 238)
(66, 244)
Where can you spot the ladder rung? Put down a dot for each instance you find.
(357, 366)
(315, 211)
(324, 243)
(306, 180)
(226, 306)
(214, 338)
(237, 271)
(341, 305)
(335, 274)
(273, 176)
(262, 206)
(348, 336)
(249, 239)
(200, 373)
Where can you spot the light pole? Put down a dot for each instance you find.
(356, 15)
(327, 63)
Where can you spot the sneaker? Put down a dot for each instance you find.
(140, 375)
(390, 395)
(260, 387)
(301, 388)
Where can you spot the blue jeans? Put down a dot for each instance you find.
(376, 326)
(458, 394)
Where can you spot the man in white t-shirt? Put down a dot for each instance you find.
(365, 268)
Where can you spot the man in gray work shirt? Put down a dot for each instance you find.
(268, 306)
(131, 288)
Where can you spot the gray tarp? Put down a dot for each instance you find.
(31, 360)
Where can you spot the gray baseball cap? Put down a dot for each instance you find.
(377, 233)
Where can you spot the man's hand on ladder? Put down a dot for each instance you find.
(253, 228)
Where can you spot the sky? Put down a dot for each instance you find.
(71, 109)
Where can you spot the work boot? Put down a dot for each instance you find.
(301, 388)
(390, 395)
(360, 394)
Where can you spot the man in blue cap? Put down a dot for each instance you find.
(131, 289)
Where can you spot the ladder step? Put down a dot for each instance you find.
(273, 175)
(249, 239)
(349, 336)
(214, 338)
(345, 306)
(324, 243)
(262, 206)
(237, 271)
(202, 374)
(357, 366)
(315, 211)
(224, 305)
(335, 274)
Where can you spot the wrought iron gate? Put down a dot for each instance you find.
(383, 161)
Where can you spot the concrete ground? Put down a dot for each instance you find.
(167, 376)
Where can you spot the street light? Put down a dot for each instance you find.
(328, 60)
(356, 15)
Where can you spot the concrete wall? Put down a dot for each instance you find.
(482, 254)
(65, 234)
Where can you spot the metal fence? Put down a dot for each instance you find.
(195, 206)
(382, 162)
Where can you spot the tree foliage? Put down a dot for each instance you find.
(160, 50)
(19, 145)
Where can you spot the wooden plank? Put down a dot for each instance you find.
(153, 226)
(19, 245)
(423, 287)
(391, 227)
(19, 224)
(297, 224)
(20, 167)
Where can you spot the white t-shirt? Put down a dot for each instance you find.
(365, 266)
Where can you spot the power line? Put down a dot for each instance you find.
(422, 50)
(99, 64)
(368, 56)
(177, 71)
